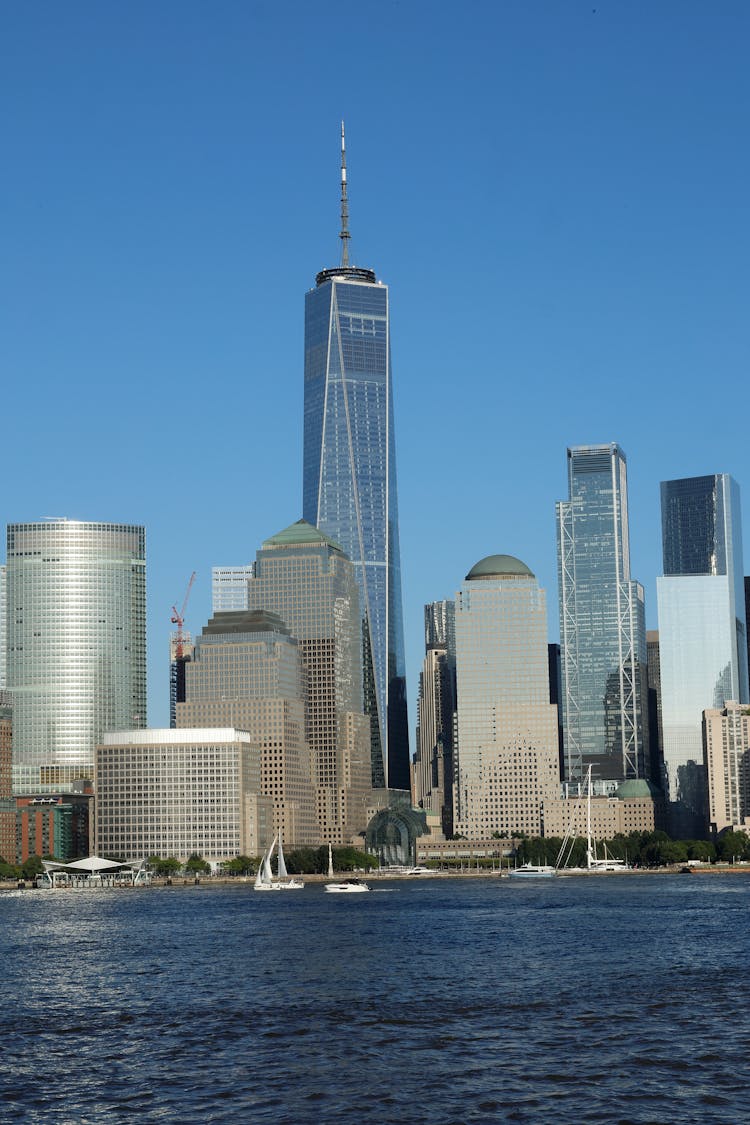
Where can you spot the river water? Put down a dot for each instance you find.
(604, 999)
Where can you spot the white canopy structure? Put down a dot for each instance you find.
(94, 871)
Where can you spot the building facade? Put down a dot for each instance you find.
(305, 578)
(7, 803)
(726, 742)
(602, 622)
(178, 793)
(349, 485)
(507, 753)
(247, 673)
(229, 587)
(76, 644)
(432, 766)
(702, 642)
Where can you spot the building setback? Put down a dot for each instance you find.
(180, 792)
(247, 671)
(76, 658)
(602, 622)
(349, 484)
(702, 643)
(507, 761)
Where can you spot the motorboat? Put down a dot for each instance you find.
(533, 871)
(347, 888)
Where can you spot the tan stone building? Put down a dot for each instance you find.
(507, 755)
(726, 743)
(247, 673)
(635, 807)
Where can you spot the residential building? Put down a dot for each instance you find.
(56, 825)
(180, 792)
(507, 751)
(702, 642)
(349, 486)
(305, 578)
(726, 742)
(7, 803)
(602, 622)
(247, 673)
(76, 657)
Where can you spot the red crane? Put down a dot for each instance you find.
(178, 619)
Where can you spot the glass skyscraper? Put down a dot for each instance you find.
(702, 642)
(349, 486)
(602, 623)
(76, 644)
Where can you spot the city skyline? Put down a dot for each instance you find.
(144, 286)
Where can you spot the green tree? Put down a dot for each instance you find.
(732, 846)
(164, 867)
(32, 867)
(197, 865)
(240, 865)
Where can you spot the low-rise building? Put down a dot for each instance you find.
(635, 806)
(178, 792)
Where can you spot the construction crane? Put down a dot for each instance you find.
(178, 619)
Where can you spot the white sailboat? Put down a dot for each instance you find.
(593, 865)
(264, 880)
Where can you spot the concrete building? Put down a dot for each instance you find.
(702, 643)
(7, 803)
(726, 741)
(178, 792)
(247, 672)
(305, 578)
(507, 761)
(76, 657)
(602, 622)
(635, 806)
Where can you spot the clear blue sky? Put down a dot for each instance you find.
(556, 193)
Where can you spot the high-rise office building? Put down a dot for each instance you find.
(602, 622)
(702, 642)
(432, 767)
(229, 587)
(247, 673)
(507, 760)
(349, 487)
(305, 578)
(76, 656)
(654, 706)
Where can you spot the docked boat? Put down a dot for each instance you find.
(264, 880)
(533, 871)
(348, 888)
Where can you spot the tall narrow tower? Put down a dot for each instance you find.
(349, 486)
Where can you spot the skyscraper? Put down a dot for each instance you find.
(602, 622)
(305, 578)
(76, 660)
(507, 751)
(349, 486)
(247, 672)
(702, 642)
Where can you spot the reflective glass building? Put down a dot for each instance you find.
(349, 487)
(602, 622)
(76, 637)
(702, 642)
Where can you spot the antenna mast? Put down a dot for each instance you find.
(344, 236)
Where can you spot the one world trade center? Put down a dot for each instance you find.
(349, 487)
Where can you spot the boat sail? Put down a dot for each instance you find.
(593, 865)
(264, 880)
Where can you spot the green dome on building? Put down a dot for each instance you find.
(499, 566)
(628, 790)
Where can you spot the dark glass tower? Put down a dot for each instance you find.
(349, 486)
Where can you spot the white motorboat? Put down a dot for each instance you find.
(264, 880)
(533, 871)
(348, 888)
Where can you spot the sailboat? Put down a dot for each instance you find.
(593, 865)
(347, 888)
(264, 880)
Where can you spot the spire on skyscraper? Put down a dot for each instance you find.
(344, 235)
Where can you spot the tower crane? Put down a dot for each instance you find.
(178, 619)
